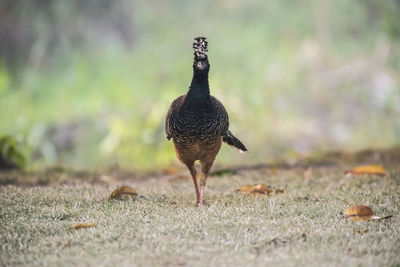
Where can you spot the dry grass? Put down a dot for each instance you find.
(302, 226)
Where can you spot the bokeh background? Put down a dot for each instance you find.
(87, 83)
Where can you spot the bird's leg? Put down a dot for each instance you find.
(201, 200)
(205, 169)
(192, 170)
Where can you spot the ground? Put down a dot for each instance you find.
(162, 226)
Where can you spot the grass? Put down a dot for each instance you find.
(163, 227)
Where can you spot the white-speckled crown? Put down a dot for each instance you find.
(200, 48)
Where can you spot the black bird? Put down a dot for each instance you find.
(197, 122)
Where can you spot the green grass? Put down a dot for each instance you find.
(163, 227)
(294, 77)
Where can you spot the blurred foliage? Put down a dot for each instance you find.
(12, 153)
(33, 30)
(88, 83)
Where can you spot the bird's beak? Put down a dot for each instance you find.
(201, 65)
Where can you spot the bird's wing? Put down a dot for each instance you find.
(227, 136)
(222, 114)
(172, 109)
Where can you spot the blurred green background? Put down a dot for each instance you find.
(87, 83)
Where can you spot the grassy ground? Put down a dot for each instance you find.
(163, 227)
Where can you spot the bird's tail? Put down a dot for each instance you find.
(233, 141)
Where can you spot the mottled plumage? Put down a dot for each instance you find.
(190, 123)
(198, 122)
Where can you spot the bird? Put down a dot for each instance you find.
(198, 123)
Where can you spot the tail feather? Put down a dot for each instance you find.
(233, 141)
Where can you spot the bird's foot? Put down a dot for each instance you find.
(202, 204)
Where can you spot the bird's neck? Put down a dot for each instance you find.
(199, 90)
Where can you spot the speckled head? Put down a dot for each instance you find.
(200, 45)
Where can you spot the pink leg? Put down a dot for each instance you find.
(198, 194)
(201, 200)
(205, 168)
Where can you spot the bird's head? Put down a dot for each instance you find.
(200, 63)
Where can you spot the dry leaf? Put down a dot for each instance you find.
(245, 189)
(82, 225)
(279, 191)
(122, 192)
(361, 213)
(254, 189)
(261, 189)
(367, 169)
(358, 213)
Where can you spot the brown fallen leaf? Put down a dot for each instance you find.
(123, 192)
(358, 213)
(245, 189)
(260, 189)
(367, 169)
(279, 191)
(361, 213)
(82, 225)
(254, 189)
